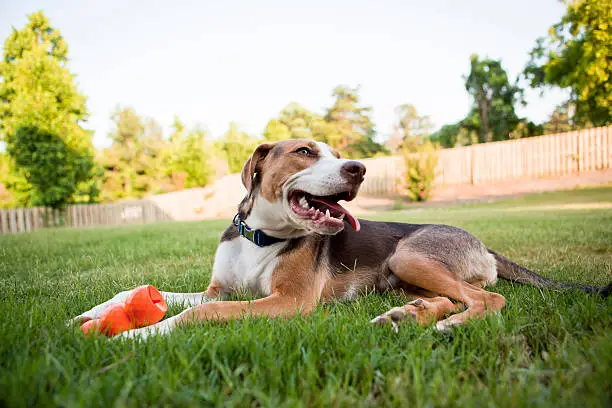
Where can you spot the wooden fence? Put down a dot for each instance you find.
(535, 157)
(83, 215)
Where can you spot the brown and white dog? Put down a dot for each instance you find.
(308, 254)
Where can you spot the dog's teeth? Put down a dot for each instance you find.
(303, 202)
(341, 217)
(327, 213)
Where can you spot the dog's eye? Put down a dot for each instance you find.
(303, 150)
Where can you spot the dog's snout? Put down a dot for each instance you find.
(353, 170)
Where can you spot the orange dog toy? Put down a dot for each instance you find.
(144, 306)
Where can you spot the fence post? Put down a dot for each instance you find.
(13, 220)
(28, 221)
(4, 225)
(20, 220)
(581, 152)
(472, 165)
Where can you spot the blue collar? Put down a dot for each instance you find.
(258, 237)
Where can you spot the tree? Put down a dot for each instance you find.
(189, 162)
(561, 120)
(41, 112)
(276, 130)
(195, 159)
(526, 128)
(348, 126)
(120, 159)
(576, 56)
(178, 129)
(294, 122)
(411, 123)
(492, 116)
(134, 164)
(236, 147)
(448, 136)
(51, 166)
(141, 162)
(15, 191)
(394, 141)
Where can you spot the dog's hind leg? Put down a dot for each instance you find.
(421, 310)
(432, 275)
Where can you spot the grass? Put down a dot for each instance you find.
(546, 348)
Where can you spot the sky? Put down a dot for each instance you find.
(214, 62)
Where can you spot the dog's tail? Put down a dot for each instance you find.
(506, 269)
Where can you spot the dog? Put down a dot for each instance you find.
(292, 245)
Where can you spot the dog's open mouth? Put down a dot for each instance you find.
(323, 210)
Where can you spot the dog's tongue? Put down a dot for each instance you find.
(353, 222)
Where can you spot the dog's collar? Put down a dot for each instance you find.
(258, 237)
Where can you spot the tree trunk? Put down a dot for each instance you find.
(484, 119)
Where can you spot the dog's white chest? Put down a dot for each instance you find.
(240, 264)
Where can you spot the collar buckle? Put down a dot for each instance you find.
(258, 237)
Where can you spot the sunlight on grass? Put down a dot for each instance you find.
(545, 348)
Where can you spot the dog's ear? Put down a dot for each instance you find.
(251, 176)
(252, 167)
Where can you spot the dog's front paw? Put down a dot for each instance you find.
(140, 334)
(162, 328)
(78, 321)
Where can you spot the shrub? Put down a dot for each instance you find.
(420, 161)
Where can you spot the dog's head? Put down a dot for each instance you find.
(293, 188)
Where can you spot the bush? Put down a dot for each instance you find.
(420, 161)
(52, 167)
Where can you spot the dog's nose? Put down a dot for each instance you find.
(353, 170)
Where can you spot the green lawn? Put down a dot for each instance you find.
(545, 348)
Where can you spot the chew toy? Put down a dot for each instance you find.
(143, 306)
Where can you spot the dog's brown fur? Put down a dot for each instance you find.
(431, 264)
(298, 283)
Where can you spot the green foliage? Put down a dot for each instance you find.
(15, 191)
(121, 161)
(236, 147)
(492, 116)
(190, 159)
(294, 122)
(179, 129)
(141, 162)
(561, 120)
(276, 130)
(448, 136)
(576, 56)
(526, 128)
(52, 167)
(346, 126)
(410, 125)
(39, 103)
(420, 162)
